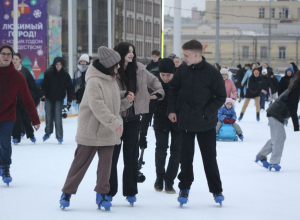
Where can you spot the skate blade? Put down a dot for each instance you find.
(170, 192)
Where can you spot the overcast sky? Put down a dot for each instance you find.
(185, 4)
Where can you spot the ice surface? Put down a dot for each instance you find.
(251, 191)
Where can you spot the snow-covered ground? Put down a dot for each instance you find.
(251, 192)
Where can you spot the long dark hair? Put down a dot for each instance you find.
(295, 81)
(130, 72)
(294, 67)
(111, 70)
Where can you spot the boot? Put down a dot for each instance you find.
(169, 188)
(183, 197)
(241, 116)
(65, 200)
(103, 200)
(159, 183)
(257, 116)
(4, 171)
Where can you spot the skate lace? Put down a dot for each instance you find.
(184, 194)
(66, 197)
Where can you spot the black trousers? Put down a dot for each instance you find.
(162, 144)
(207, 144)
(22, 119)
(146, 118)
(130, 157)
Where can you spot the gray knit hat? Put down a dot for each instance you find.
(108, 57)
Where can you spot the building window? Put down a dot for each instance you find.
(129, 25)
(140, 27)
(245, 52)
(139, 48)
(157, 10)
(140, 6)
(148, 49)
(282, 53)
(261, 13)
(130, 5)
(156, 47)
(283, 13)
(273, 13)
(263, 52)
(298, 13)
(148, 28)
(149, 8)
(156, 30)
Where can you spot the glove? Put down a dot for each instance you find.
(225, 121)
(231, 121)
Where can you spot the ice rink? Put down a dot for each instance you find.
(251, 191)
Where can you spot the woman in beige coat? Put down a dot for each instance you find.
(133, 80)
(99, 127)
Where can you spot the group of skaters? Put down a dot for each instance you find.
(118, 97)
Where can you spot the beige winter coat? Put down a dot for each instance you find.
(144, 80)
(99, 113)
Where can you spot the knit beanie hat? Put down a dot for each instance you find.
(108, 57)
(239, 66)
(224, 71)
(84, 57)
(230, 100)
(166, 65)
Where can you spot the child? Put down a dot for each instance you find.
(162, 128)
(284, 107)
(227, 115)
(229, 85)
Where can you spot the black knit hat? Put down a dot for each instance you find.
(166, 65)
(239, 66)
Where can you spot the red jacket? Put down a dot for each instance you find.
(12, 83)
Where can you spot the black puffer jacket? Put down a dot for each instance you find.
(274, 82)
(197, 92)
(55, 84)
(286, 106)
(266, 83)
(161, 120)
(254, 86)
(34, 88)
(285, 81)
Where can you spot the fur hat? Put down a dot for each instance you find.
(264, 71)
(166, 65)
(224, 71)
(230, 100)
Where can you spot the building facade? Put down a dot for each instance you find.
(254, 11)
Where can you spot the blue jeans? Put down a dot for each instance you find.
(6, 129)
(53, 111)
(262, 100)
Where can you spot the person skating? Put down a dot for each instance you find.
(197, 92)
(285, 81)
(133, 80)
(248, 74)
(295, 67)
(22, 118)
(177, 63)
(12, 83)
(253, 92)
(147, 118)
(274, 89)
(265, 86)
(79, 76)
(162, 128)
(227, 115)
(99, 127)
(284, 107)
(229, 85)
(55, 84)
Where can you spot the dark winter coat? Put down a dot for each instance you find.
(79, 81)
(34, 88)
(161, 119)
(275, 83)
(239, 77)
(153, 67)
(55, 84)
(226, 113)
(197, 92)
(266, 83)
(12, 83)
(254, 87)
(286, 106)
(285, 81)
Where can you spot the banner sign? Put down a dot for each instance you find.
(55, 23)
(32, 31)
